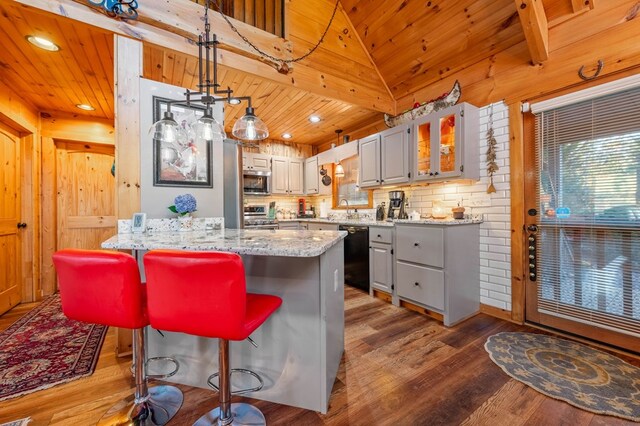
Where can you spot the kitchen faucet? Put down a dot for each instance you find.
(348, 209)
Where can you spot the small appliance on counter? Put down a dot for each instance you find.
(396, 205)
(255, 217)
(303, 211)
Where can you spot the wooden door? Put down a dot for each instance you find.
(10, 256)
(380, 266)
(85, 187)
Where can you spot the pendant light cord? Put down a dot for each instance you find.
(273, 58)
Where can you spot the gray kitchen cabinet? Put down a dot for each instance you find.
(315, 226)
(381, 259)
(369, 158)
(289, 225)
(256, 162)
(287, 175)
(311, 176)
(384, 158)
(445, 144)
(438, 267)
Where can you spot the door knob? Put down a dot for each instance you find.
(22, 225)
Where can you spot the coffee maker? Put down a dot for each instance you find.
(396, 205)
(302, 207)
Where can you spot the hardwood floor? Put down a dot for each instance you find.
(399, 368)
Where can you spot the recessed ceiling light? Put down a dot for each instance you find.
(314, 119)
(43, 43)
(85, 107)
(234, 101)
(286, 136)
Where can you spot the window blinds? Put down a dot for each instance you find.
(588, 246)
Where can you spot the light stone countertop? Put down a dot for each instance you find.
(256, 242)
(355, 222)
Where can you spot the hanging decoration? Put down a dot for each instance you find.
(492, 166)
(422, 109)
(118, 8)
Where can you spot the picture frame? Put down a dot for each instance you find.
(139, 223)
(185, 162)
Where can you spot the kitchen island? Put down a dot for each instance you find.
(300, 346)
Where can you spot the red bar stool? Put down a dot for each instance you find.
(204, 294)
(103, 287)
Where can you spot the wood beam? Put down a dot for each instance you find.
(517, 172)
(304, 76)
(186, 18)
(535, 27)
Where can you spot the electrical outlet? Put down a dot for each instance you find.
(479, 201)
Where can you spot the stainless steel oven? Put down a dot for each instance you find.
(257, 182)
(255, 217)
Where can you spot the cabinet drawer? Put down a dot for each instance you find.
(311, 226)
(380, 235)
(420, 244)
(421, 284)
(288, 225)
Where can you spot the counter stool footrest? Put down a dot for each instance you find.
(241, 391)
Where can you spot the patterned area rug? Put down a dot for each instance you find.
(44, 348)
(582, 376)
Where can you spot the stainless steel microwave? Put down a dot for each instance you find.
(257, 182)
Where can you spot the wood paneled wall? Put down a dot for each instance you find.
(285, 149)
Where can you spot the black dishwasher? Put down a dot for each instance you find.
(356, 256)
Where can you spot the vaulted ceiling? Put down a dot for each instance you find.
(378, 56)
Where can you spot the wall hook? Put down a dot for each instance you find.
(597, 73)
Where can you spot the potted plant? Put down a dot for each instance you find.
(183, 206)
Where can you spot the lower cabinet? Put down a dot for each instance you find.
(381, 259)
(315, 226)
(438, 267)
(288, 225)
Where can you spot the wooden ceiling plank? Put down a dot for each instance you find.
(619, 11)
(102, 92)
(455, 25)
(470, 48)
(305, 76)
(535, 27)
(501, 77)
(41, 75)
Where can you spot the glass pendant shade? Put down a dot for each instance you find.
(339, 172)
(208, 128)
(249, 127)
(166, 129)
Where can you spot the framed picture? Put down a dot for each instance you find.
(186, 161)
(139, 222)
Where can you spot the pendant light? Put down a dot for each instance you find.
(339, 172)
(248, 127)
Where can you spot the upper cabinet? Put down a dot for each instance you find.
(256, 161)
(445, 144)
(384, 157)
(287, 176)
(311, 176)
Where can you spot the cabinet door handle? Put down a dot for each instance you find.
(417, 284)
(430, 173)
(416, 244)
(436, 174)
(379, 236)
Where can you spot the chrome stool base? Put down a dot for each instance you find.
(241, 413)
(163, 403)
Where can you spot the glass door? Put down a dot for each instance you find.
(584, 250)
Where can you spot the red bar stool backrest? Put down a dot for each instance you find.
(198, 293)
(101, 287)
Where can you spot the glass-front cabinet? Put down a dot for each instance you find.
(445, 144)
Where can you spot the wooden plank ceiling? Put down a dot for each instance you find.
(395, 48)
